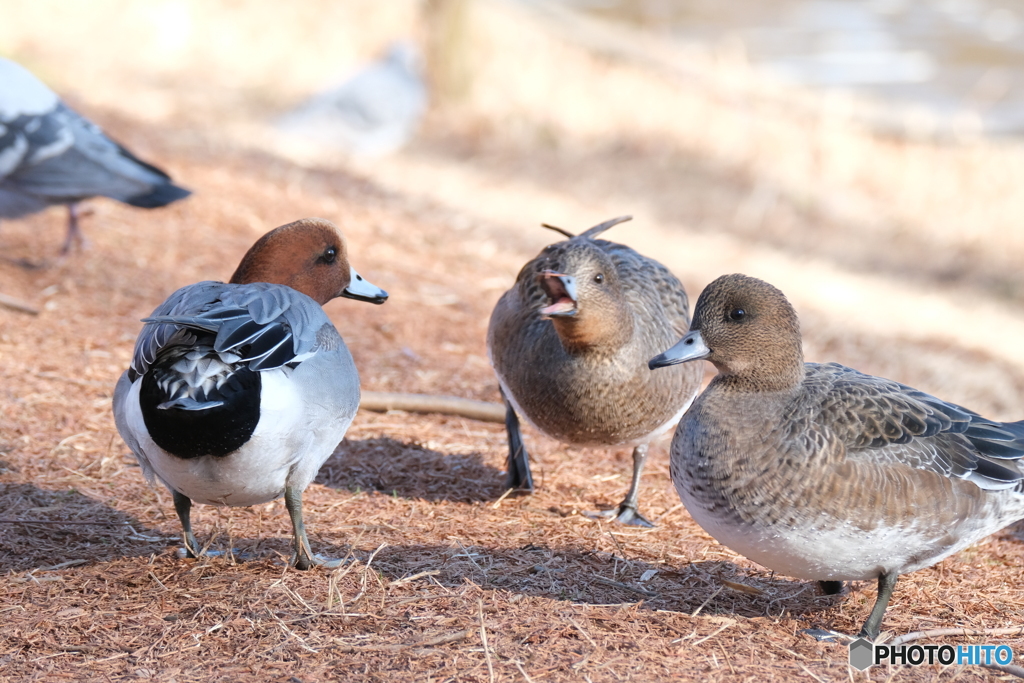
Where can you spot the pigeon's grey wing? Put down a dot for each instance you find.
(70, 158)
(14, 204)
(30, 131)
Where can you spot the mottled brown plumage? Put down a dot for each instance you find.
(577, 369)
(822, 472)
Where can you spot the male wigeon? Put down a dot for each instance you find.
(570, 342)
(237, 393)
(821, 472)
(50, 155)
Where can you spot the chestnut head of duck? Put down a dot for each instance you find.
(747, 329)
(310, 256)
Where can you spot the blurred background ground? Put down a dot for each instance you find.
(901, 250)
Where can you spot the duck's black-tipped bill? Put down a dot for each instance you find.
(690, 347)
(361, 290)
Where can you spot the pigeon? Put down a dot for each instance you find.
(373, 113)
(50, 154)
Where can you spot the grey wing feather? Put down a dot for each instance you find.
(30, 139)
(71, 158)
(271, 305)
(29, 142)
(257, 321)
(888, 422)
(49, 154)
(15, 204)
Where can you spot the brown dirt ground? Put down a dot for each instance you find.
(447, 579)
(438, 560)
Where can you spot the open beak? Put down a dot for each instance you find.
(690, 347)
(361, 290)
(561, 291)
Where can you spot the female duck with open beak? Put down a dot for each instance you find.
(570, 342)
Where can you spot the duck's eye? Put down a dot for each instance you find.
(599, 278)
(330, 255)
(737, 314)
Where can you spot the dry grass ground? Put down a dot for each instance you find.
(447, 580)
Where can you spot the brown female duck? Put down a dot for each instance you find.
(570, 342)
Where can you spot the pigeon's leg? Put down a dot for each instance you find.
(74, 236)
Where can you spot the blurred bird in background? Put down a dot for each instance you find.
(49, 154)
(373, 113)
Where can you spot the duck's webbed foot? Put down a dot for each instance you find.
(628, 511)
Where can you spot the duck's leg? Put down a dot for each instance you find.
(304, 557)
(831, 587)
(183, 506)
(628, 512)
(873, 626)
(519, 476)
(303, 554)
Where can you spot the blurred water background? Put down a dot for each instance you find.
(955, 65)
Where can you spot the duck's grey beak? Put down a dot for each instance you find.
(361, 290)
(561, 289)
(690, 347)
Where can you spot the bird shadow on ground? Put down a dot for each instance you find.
(408, 470)
(42, 528)
(579, 575)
